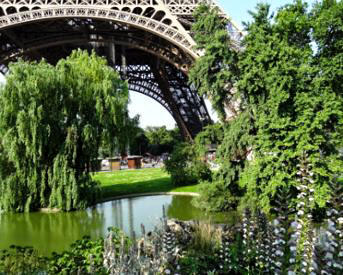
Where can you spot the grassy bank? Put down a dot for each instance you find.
(127, 182)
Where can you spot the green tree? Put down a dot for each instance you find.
(290, 105)
(211, 134)
(122, 144)
(161, 140)
(215, 72)
(297, 112)
(186, 166)
(52, 122)
(139, 144)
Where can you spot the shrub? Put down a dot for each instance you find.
(85, 256)
(185, 166)
(21, 260)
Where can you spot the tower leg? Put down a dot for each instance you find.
(161, 79)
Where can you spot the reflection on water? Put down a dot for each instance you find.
(49, 232)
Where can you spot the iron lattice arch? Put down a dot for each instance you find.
(148, 41)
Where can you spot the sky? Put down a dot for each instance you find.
(152, 113)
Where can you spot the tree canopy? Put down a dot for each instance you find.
(288, 81)
(215, 72)
(161, 140)
(53, 120)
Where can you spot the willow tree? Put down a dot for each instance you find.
(53, 120)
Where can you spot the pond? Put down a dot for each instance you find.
(48, 232)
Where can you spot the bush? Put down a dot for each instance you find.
(85, 256)
(21, 260)
(215, 196)
(185, 166)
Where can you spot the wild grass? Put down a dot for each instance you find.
(206, 237)
(128, 182)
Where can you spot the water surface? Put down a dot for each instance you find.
(49, 232)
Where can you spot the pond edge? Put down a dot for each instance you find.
(128, 196)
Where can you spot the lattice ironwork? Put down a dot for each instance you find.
(149, 41)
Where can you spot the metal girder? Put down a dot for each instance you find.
(148, 41)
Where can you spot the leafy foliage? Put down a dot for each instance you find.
(185, 166)
(234, 140)
(211, 134)
(21, 260)
(126, 141)
(52, 121)
(138, 142)
(253, 246)
(214, 73)
(289, 97)
(161, 140)
(85, 256)
(297, 111)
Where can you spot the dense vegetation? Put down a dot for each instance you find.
(138, 141)
(185, 166)
(254, 246)
(161, 140)
(279, 96)
(53, 120)
(280, 99)
(85, 256)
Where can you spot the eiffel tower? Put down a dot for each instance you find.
(148, 41)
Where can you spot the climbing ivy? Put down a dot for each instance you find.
(52, 122)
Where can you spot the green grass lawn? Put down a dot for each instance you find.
(126, 182)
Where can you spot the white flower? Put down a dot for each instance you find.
(301, 212)
(278, 264)
(279, 253)
(337, 265)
